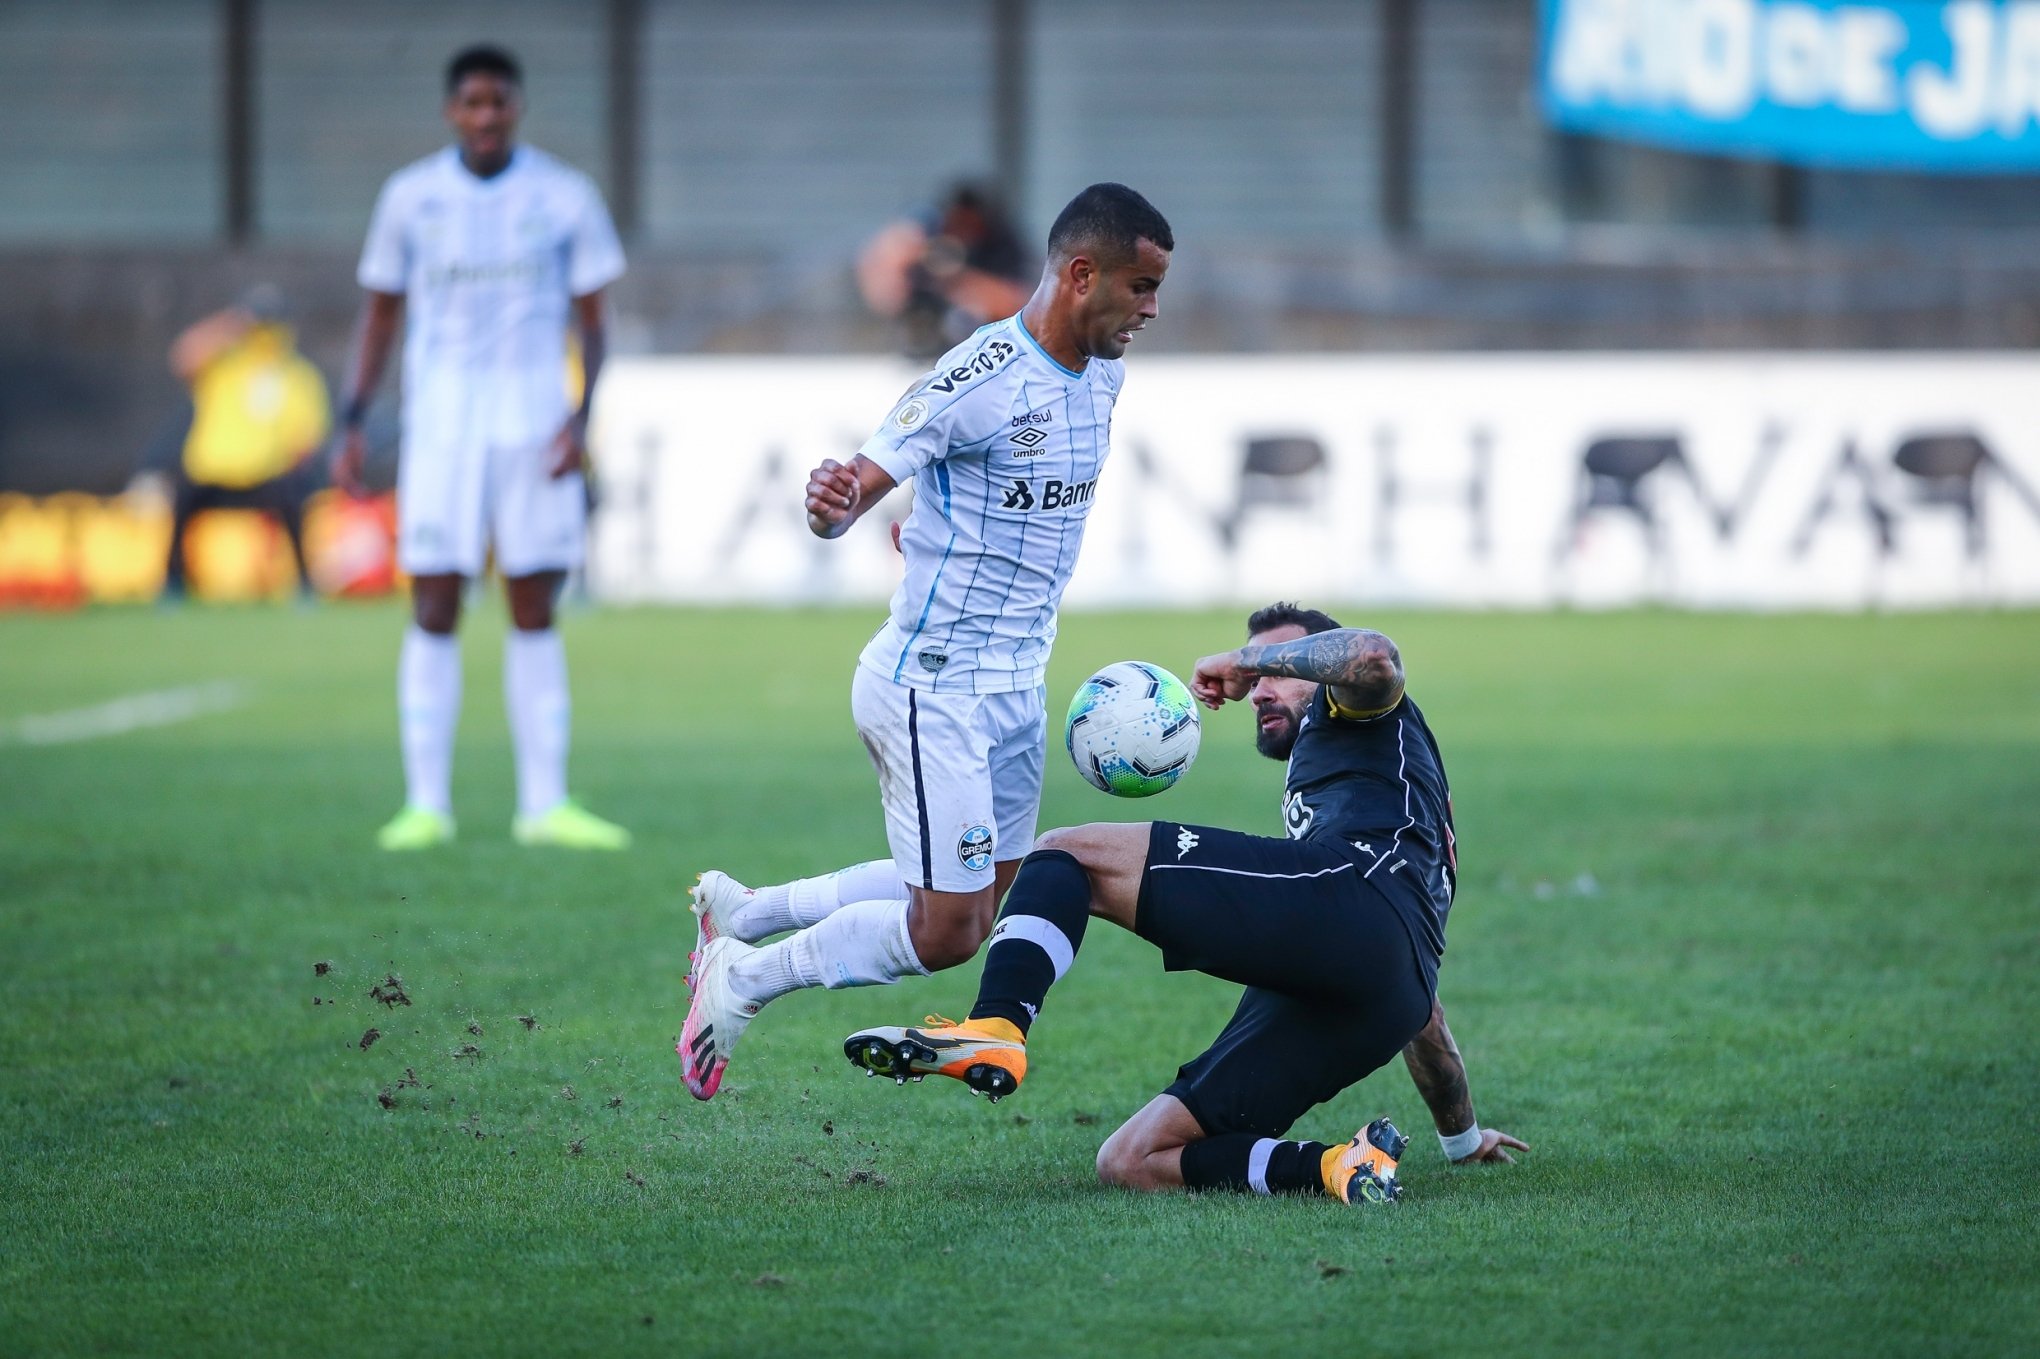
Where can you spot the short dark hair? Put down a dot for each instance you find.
(482, 59)
(1282, 613)
(1109, 217)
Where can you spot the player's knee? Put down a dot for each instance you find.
(436, 611)
(947, 950)
(1122, 1165)
(950, 936)
(1070, 840)
(532, 617)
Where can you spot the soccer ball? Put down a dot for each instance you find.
(1132, 729)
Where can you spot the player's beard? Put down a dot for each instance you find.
(1276, 742)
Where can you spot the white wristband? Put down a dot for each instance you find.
(1459, 1146)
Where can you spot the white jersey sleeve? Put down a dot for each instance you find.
(386, 257)
(939, 416)
(595, 255)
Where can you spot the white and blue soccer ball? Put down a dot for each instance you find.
(1132, 729)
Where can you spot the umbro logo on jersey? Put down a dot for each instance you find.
(1029, 438)
(987, 360)
(1186, 840)
(1056, 494)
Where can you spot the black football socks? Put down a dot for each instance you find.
(1036, 939)
(1261, 1164)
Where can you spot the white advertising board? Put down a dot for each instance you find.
(1752, 481)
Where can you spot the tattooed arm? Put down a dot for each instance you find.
(1362, 668)
(1440, 1076)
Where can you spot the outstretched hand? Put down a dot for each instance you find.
(1220, 679)
(832, 496)
(1492, 1142)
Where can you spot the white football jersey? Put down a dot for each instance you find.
(487, 268)
(1004, 445)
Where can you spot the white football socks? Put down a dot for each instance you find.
(807, 901)
(862, 944)
(535, 694)
(428, 711)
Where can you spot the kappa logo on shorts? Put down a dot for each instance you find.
(974, 849)
(1186, 840)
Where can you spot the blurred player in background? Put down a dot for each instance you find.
(489, 247)
(1004, 441)
(259, 414)
(1336, 932)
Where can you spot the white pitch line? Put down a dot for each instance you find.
(133, 712)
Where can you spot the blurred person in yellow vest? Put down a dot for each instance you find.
(259, 413)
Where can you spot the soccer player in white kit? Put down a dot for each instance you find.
(489, 246)
(1004, 441)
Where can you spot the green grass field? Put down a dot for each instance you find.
(1746, 949)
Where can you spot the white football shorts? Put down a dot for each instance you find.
(959, 774)
(454, 501)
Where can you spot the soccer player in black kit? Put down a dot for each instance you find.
(1336, 932)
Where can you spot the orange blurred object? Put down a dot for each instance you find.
(63, 551)
(352, 543)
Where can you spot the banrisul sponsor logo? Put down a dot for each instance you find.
(1052, 494)
(1063, 495)
(987, 360)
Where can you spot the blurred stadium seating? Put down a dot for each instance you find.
(1345, 174)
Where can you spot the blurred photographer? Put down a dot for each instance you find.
(945, 272)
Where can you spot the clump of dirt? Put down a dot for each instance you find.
(1328, 1270)
(1021, 1120)
(529, 1022)
(613, 1102)
(368, 1038)
(386, 1100)
(574, 1147)
(828, 1128)
(634, 1178)
(410, 1080)
(390, 991)
(567, 1092)
(870, 1177)
(1083, 1120)
(467, 1052)
(474, 1028)
(321, 969)
(768, 1280)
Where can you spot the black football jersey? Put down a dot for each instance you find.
(1378, 784)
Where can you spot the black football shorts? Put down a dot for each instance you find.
(1335, 987)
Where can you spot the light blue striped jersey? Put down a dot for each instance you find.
(487, 268)
(1004, 445)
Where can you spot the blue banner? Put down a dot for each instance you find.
(1900, 85)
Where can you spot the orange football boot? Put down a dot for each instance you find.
(988, 1055)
